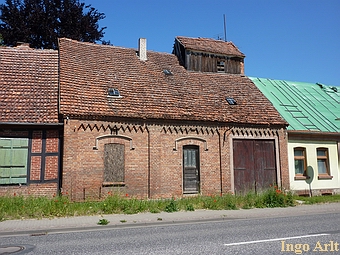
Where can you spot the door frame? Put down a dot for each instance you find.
(198, 174)
(265, 136)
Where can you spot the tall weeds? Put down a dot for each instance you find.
(19, 207)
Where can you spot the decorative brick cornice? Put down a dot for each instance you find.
(187, 130)
(254, 132)
(113, 127)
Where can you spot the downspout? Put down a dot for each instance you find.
(60, 134)
(220, 155)
(149, 165)
(60, 160)
(59, 80)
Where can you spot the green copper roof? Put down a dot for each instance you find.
(305, 106)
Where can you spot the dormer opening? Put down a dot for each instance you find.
(209, 55)
(113, 92)
(220, 66)
(231, 100)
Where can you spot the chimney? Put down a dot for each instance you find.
(142, 49)
(23, 44)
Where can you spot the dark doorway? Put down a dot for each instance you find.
(254, 164)
(191, 172)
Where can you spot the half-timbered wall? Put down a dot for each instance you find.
(38, 172)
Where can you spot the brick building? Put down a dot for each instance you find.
(154, 125)
(30, 132)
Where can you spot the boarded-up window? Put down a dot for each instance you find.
(13, 160)
(114, 163)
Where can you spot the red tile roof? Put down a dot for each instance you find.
(87, 71)
(210, 46)
(28, 85)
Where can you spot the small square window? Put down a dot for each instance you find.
(220, 66)
(167, 72)
(231, 100)
(113, 92)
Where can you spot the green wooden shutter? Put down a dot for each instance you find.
(13, 160)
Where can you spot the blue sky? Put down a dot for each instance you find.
(296, 40)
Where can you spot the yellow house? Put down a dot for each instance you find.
(313, 114)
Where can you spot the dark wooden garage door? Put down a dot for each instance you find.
(254, 164)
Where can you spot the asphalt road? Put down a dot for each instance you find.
(307, 234)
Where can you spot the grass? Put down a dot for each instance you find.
(320, 199)
(20, 207)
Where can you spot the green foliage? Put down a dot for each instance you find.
(190, 207)
(103, 222)
(41, 22)
(229, 202)
(212, 203)
(20, 207)
(171, 207)
(275, 197)
(320, 199)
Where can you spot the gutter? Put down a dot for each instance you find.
(313, 133)
(31, 124)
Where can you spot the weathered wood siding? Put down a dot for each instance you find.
(202, 62)
(207, 62)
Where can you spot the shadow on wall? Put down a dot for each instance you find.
(310, 178)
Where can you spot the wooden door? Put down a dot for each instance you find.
(254, 164)
(265, 164)
(191, 174)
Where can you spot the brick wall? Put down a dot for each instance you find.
(35, 171)
(33, 189)
(166, 173)
(283, 143)
(153, 158)
(84, 165)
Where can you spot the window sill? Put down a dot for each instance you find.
(113, 184)
(325, 177)
(13, 184)
(301, 177)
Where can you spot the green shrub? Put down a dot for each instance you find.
(171, 207)
(229, 202)
(103, 222)
(275, 197)
(190, 207)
